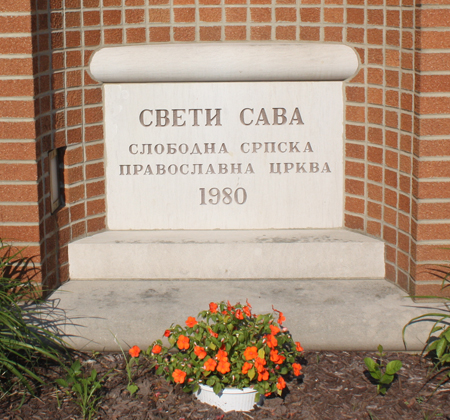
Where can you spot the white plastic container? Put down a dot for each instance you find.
(228, 399)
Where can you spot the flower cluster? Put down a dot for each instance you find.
(228, 346)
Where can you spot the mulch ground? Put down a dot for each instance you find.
(335, 385)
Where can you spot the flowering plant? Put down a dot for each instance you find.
(228, 346)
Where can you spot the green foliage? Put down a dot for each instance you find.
(376, 371)
(437, 346)
(84, 387)
(228, 346)
(23, 346)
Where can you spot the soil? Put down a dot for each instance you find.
(334, 385)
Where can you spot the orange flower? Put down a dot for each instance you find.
(248, 304)
(134, 351)
(200, 352)
(263, 375)
(298, 347)
(191, 321)
(247, 366)
(281, 317)
(221, 356)
(238, 314)
(156, 349)
(229, 307)
(223, 367)
(247, 311)
(213, 307)
(250, 353)
(276, 358)
(281, 383)
(210, 365)
(297, 368)
(274, 330)
(178, 376)
(183, 342)
(259, 364)
(167, 333)
(271, 340)
(213, 333)
(267, 394)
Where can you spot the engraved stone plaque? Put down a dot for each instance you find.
(224, 155)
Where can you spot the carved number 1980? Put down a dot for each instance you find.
(227, 196)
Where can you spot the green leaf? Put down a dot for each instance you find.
(132, 388)
(386, 379)
(382, 390)
(393, 367)
(380, 349)
(62, 382)
(160, 370)
(441, 346)
(212, 346)
(376, 374)
(211, 381)
(371, 365)
(217, 387)
(261, 353)
(251, 373)
(446, 334)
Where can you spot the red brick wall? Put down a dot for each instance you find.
(397, 111)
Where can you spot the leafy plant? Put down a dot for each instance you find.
(437, 347)
(228, 346)
(383, 380)
(23, 346)
(85, 388)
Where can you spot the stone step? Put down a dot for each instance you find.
(321, 314)
(227, 254)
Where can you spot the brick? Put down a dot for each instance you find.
(159, 15)
(433, 126)
(94, 152)
(375, 36)
(355, 113)
(355, 35)
(112, 17)
(434, 83)
(96, 224)
(96, 207)
(354, 132)
(310, 14)
(235, 33)
(16, 6)
(375, 96)
(94, 189)
(355, 151)
(261, 14)
(375, 192)
(309, 34)
(17, 109)
(18, 193)
(433, 105)
(18, 172)
(355, 16)
(285, 14)
(288, 33)
(210, 14)
(433, 211)
(184, 14)
(19, 213)
(15, 24)
(354, 169)
(162, 34)
(260, 33)
(333, 34)
(134, 16)
(210, 33)
(374, 228)
(20, 233)
(375, 173)
(113, 36)
(354, 205)
(16, 45)
(433, 189)
(353, 222)
(16, 67)
(135, 35)
(433, 18)
(17, 130)
(433, 39)
(95, 170)
(236, 14)
(355, 187)
(91, 18)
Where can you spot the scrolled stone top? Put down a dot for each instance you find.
(224, 62)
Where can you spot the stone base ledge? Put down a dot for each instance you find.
(321, 314)
(227, 254)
